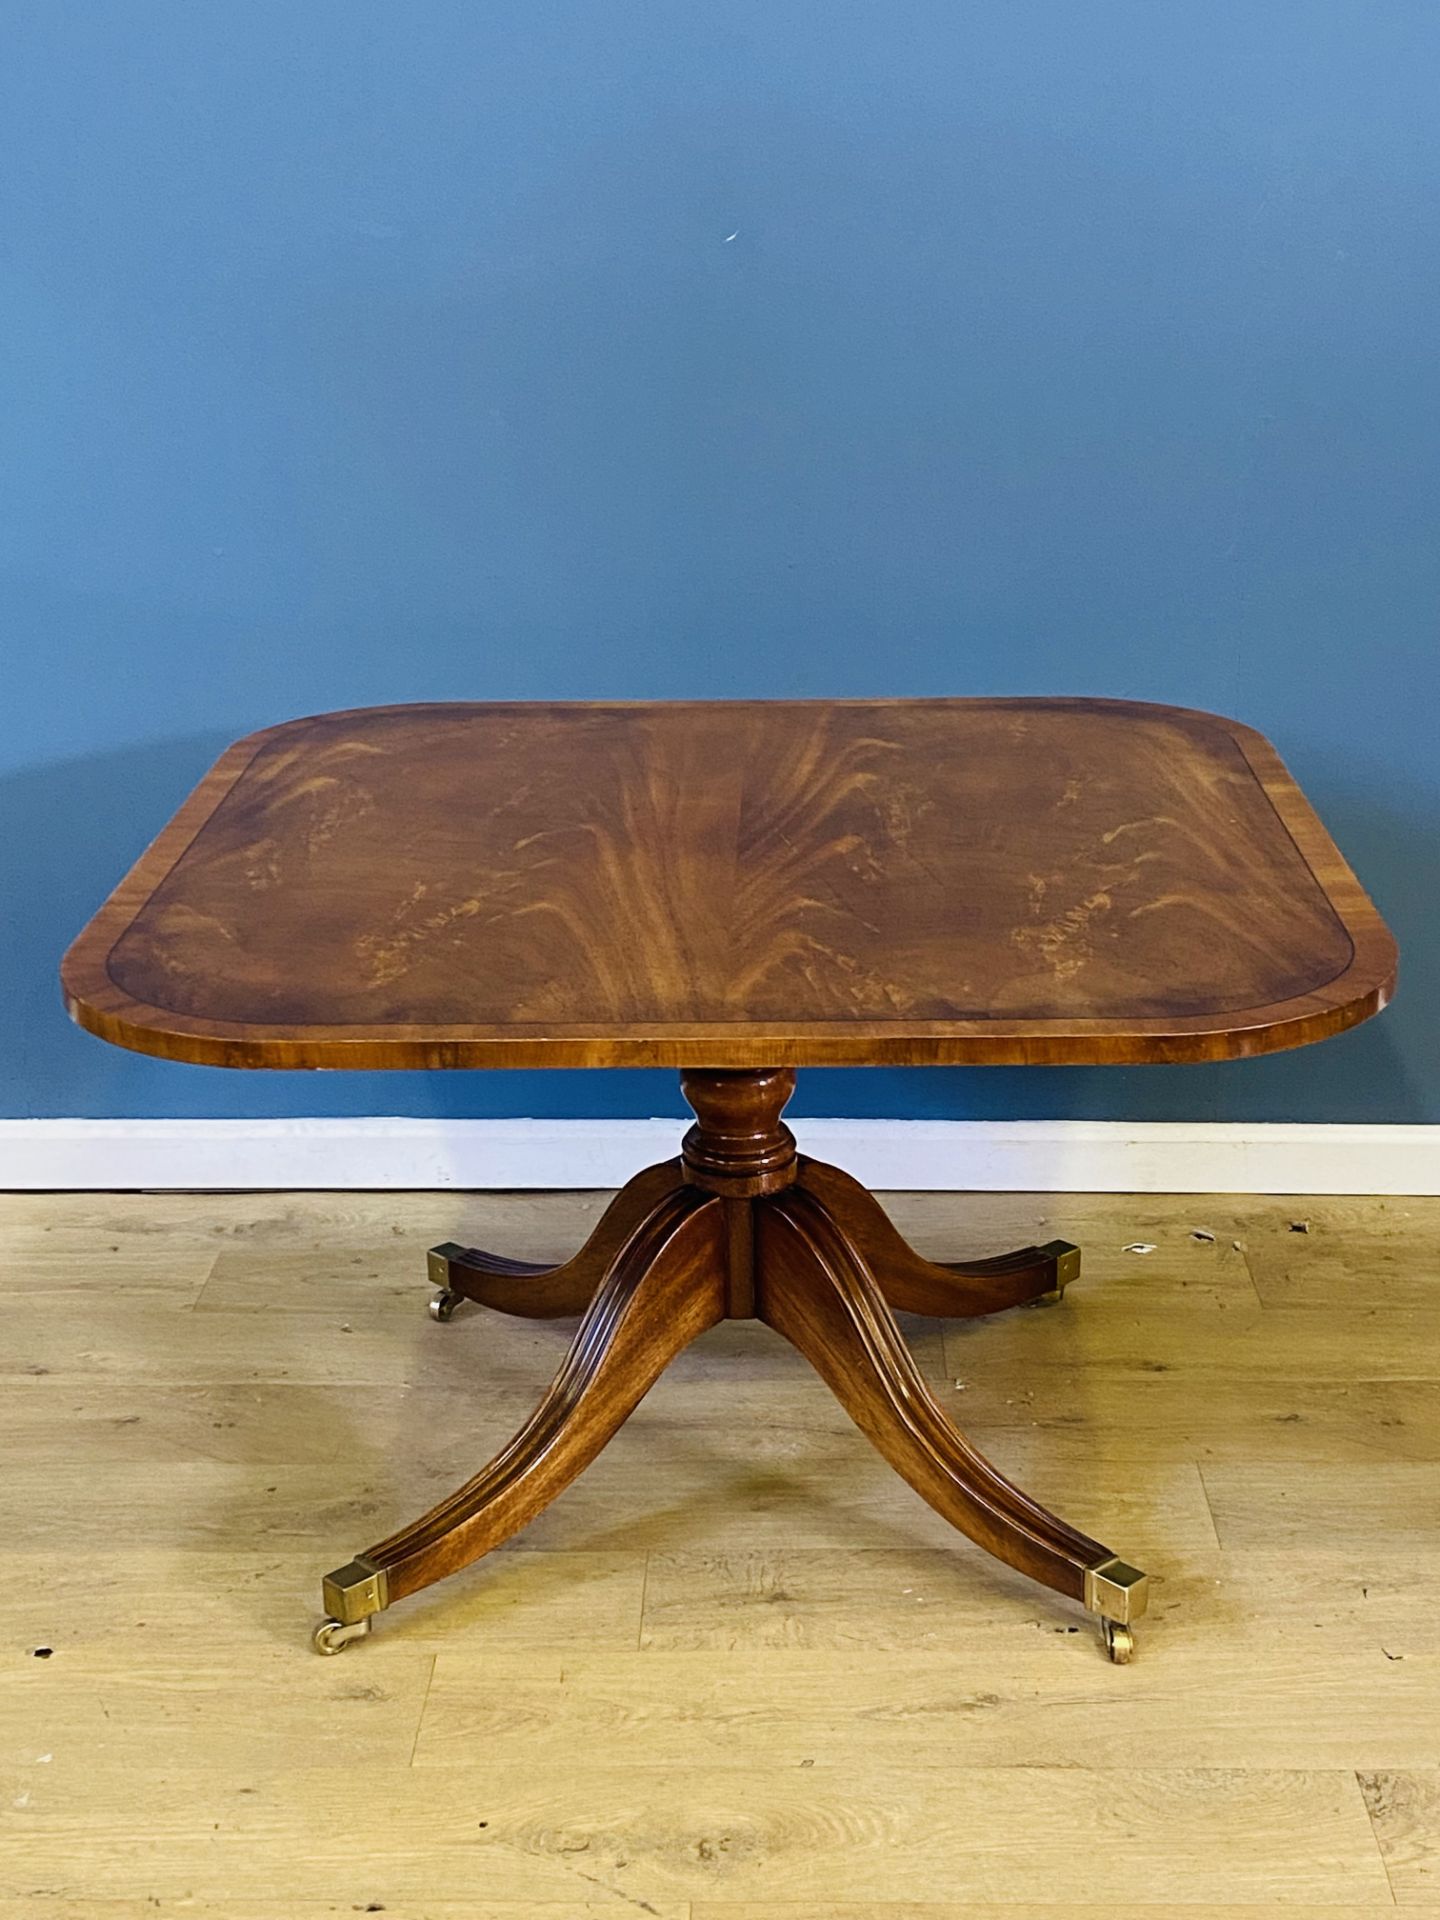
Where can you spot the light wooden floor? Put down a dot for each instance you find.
(739, 1670)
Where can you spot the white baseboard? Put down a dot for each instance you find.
(1040, 1156)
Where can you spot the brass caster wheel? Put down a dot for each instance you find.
(444, 1303)
(332, 1637)
(1119, 1641)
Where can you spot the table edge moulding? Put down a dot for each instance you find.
(1358, 990)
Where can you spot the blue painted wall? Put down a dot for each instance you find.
(361, 353)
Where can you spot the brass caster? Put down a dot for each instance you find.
(1119, 1641)
(1118, 1593)
(333, 1637)
(437, 1262)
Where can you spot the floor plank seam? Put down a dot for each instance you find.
(1209, 1505)
(1244, 1252)
(204, 1286)
(424, 1703)
(644, 1595)
(1375, 1835)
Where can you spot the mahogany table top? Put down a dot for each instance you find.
(736, 884)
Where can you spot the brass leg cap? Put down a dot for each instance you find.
(1116, 1591)
(1067, 1268)
(437, 1261)
(352, 1593)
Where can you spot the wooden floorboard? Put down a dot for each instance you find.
(738, 1670)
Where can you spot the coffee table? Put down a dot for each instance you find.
(737, 889)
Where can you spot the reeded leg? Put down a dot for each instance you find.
(664, 1286)
(815, 1287)
(740, 1226)
(541, 1292)
(950, 1289)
